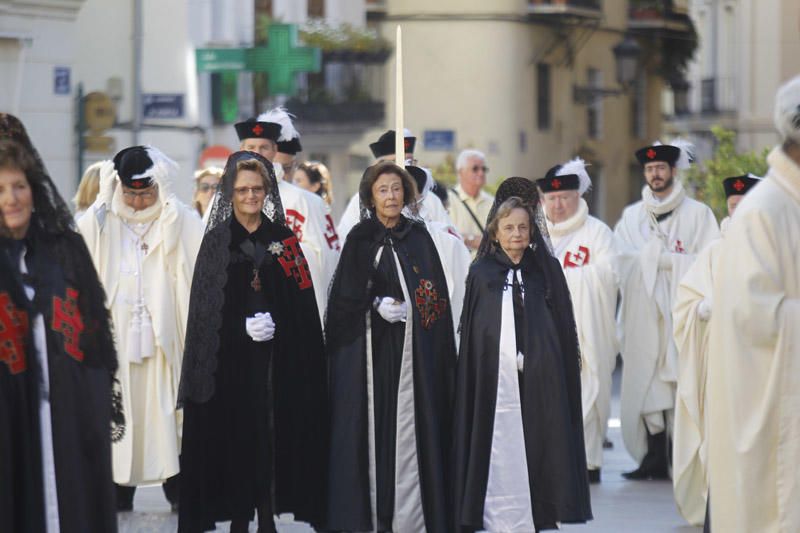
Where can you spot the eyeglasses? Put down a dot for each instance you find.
(245, 191)
(476, 168)
(144, 195)
(205, 187)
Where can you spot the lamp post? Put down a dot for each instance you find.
(626, 56)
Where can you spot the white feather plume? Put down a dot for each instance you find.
(577, 166)
(753, 176)
(280, 115)
(686, 158)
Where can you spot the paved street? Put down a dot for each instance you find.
(619, 506)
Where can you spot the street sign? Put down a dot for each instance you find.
(61, 84)
(221, 59)
(439, 140)
(162, 105)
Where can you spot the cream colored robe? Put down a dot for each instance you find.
(650, 370)
(587, 251)
(689, 452)
(148, 452)
(754, 361)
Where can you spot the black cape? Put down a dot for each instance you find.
(550, 393)
(354, 287)
(81, 361)
(262, 433)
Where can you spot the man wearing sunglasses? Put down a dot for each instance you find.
(469, 203)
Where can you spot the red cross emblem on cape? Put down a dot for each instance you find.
(738, 185)
(294, 263)
(295, 220)
(577, 259)
(679, 249)
(258, 130)
(556, 183)
(651, 154)
(13, 329)
(430, 306)
(331, 237)
(67, 321)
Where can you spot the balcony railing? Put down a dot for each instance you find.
(575, 8)
(657, 14)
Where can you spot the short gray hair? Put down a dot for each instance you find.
(787, 110)
(466, 155)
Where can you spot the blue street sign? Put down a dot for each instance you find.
(162, 105)
(61, 83)
(439, 140)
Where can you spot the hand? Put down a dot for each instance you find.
(391, 310)
(260, 327)
(704, 310)
(472, 241)
(665, 261)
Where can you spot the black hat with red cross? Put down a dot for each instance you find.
(254, 129)
(385, 144)
(134, 167)
(552, 182)
(739, 184)
(659, 152)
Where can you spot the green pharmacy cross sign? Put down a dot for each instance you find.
(281, 59)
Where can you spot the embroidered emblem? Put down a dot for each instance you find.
(258, 130)
(556, 183)
(331, 237)
(577, 259)
(738, 185)
(275, 248)
(430, 306)
(295, 221)
(679, 249)
(13, 328)
(294, 264)
(651, 154)
(67, 321)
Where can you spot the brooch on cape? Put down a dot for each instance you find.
(275, 248)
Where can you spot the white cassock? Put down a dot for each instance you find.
(690, 317)
(145, 260)
(586, 249)
(654, 255)
(308, 216)
(754, 361)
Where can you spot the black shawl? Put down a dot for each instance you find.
(349, 507)
(551, 393)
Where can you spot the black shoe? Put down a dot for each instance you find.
(125, 498)
(655, 464)
(608, 445)
(171, 488)
(594, 476)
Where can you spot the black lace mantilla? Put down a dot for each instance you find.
(208, 283)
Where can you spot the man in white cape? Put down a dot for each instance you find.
(659, 238)
(690, 315)
(273, 136)
(754, 348)
(587, 251)
(143, 242)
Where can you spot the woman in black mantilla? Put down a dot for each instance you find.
(253, 386)
(57, 358)
(519, 454)
(392, 365)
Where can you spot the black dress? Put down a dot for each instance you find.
(81, 363)
(550, 393)
(358, 281)
(260, 438)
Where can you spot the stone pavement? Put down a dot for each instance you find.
(619, 506)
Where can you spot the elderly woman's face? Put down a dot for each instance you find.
(387, 197)
(514, 231)
(248, 193)
(16, 201)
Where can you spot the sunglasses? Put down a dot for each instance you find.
(477, 168)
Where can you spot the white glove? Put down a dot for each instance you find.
(260, 327)
(704, 310)
(665, 261)
(391, 310)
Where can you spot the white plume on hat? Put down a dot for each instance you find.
(687, 149)
(787, 110)
(163, 167)
(577, 166)
(280, 115)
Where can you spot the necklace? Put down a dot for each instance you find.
(140, 237)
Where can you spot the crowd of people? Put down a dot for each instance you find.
(441, 360)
